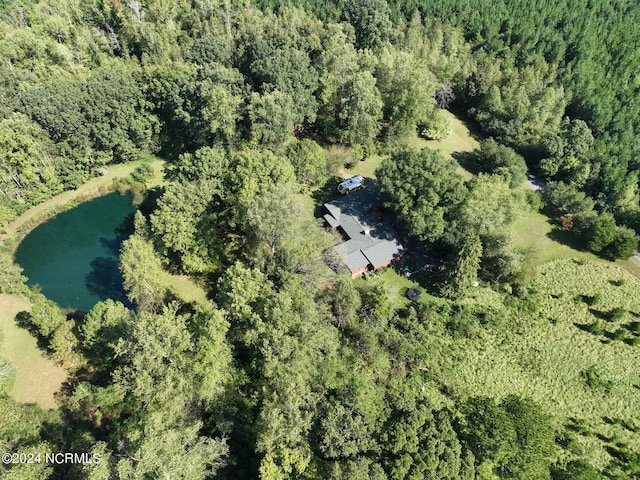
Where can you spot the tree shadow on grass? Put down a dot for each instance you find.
(468, 161)
(325, 193)
(567, 238)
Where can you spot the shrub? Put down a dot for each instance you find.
(619, 283)
(601, 233)
(535, 201)
(616, 314)
(623, 244)
(595, 328)
(620, 334)
(594, 380)
(493, 157)
(592, 300)
(143, 173)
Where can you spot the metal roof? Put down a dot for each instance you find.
(371, 240)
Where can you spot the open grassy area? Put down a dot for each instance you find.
(36, 377)
(544, 242)
(186, 289)
(463, 139)
(396, 285)
(544, 355)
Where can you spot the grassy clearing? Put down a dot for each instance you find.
(543, 242)
(463, 139)
(186, 289)
(36, 377)
(544, 355)
(396, 286)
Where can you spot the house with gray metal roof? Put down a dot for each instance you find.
(370, 240)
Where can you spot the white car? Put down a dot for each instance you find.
(351, 184)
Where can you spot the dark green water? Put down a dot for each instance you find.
(74, 256)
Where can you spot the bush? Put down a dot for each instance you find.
(592, 300)
(620, 334)
(616, 314)
(437, 127)
(534, 200)
(595, 328)
(143, 173)
(493, 157)
(594, 380)
(624, 243)
(601, 233)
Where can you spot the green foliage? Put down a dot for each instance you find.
(464, 272)
(577, 470)
(492, 157)
(423, 189)
(142, 274)
(407, 90)
(370, 20)
(272, 117)
(11, 278)
(29, 167)
(601, 233)
(515, 436)
(308, 160)
(594, 380)
(344, 433)
(85, 85)
(423, 444)
(117, 113)
(46, 316)
(345, 302)
(623, 245)
(437, 126)
(361, 110)
(281, 235)
(522, 108)
(101, 328)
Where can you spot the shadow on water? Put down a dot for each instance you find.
(105, 280)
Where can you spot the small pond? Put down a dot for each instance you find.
(74, 256)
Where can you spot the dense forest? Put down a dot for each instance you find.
(290, 369)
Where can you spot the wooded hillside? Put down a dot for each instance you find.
(285, 367)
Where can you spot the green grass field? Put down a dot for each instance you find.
(544, 355)
(463, 139)
(36, 377)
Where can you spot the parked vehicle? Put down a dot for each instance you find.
(351, 184)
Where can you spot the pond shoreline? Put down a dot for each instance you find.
(96, 187)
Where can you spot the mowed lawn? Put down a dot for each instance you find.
(463, 139)
(36, 377)
(542, 242)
